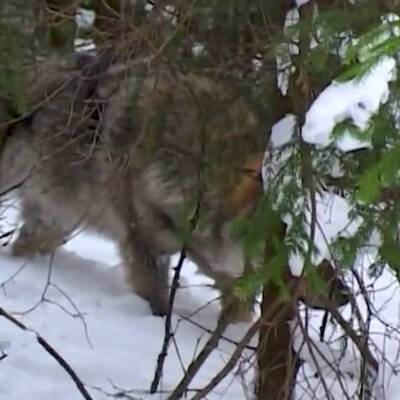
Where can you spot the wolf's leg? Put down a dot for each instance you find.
(39, 233)
(146, 273)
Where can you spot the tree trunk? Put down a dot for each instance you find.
(277, 365)
(276, 360)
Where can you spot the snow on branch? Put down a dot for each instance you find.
(333, 212)
(356, 100)
(372, 63)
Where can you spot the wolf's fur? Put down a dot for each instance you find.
(131, 152)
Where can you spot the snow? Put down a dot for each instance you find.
(84, 45)
(277, 153)
(111, 340)
(99, 326)
(84, 18)
(4, 345)
(104, 331)
(301, 2)
(356, 100)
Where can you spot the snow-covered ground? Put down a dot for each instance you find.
(96, 323)
(105, 332)
(111, 340)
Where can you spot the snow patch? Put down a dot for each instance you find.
(84, 18)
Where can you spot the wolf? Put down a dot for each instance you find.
(154, 158)
(135, 151)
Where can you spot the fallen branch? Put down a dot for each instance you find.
(53, 353)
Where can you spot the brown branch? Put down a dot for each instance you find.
(230, 364)
(53, 353)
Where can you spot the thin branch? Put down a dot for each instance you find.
(230, 364)
(7, 234)
(210, 331)
(196, 364)
(359, 342)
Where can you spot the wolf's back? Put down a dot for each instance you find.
(92, 119)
